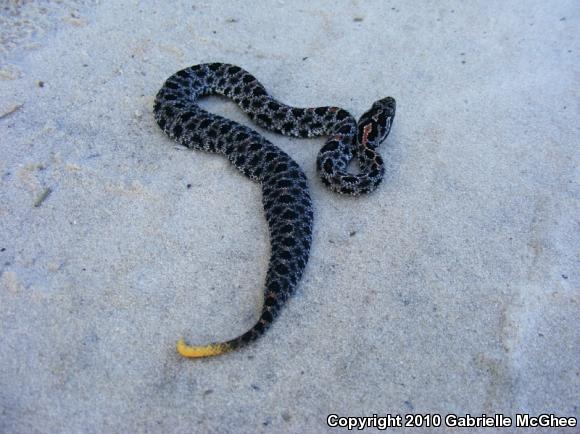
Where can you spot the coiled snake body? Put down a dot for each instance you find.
(285, 193)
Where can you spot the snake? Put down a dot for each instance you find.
(285, 194)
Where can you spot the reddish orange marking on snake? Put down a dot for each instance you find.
(366, 131)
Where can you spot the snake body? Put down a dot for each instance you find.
(285, 195)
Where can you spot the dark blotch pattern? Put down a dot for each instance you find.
(285, 195)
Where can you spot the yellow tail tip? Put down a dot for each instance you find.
(200, 351)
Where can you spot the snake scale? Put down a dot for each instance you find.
(285, 195)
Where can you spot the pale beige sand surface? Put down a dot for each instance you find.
(453, 289)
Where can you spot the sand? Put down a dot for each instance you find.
(452, 289)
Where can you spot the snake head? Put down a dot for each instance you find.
(374, 125)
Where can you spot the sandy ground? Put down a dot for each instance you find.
(453, 289)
